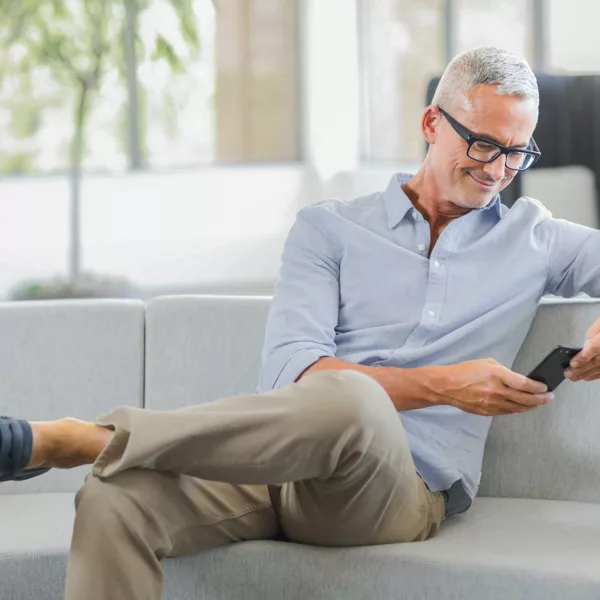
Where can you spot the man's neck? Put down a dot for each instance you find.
(424, 194)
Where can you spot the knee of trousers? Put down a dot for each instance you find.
(110, 509)
(343, 400)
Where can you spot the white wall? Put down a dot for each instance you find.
(152, 228)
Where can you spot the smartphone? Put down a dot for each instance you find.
(551, 370)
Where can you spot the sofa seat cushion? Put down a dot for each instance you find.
(35, 534)
(502, 548)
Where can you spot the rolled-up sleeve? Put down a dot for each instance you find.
(304, 311)
(573, 258)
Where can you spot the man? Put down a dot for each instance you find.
(385, 357)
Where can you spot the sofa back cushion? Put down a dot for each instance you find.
(552, 452)
(201, 348)
(68, 358)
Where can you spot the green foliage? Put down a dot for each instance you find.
(19, 163)
(73, 43)
(184, 11)
(164, 49)
(26, 119)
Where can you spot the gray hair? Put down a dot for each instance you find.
(485, 65)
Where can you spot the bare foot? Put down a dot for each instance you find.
(67, 443)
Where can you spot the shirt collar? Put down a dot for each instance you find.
(397, 203)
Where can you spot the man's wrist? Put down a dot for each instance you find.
(415, 388)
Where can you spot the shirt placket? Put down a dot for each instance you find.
(436, 285)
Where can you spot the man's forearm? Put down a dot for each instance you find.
(407, 388)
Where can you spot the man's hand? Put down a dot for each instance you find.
(485, 387)
(586, 365)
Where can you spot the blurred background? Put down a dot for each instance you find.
(152, 147)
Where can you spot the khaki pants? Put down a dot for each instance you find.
(324, 461)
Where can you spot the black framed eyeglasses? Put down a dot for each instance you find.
(485, 151)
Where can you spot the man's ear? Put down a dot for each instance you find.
(429, 123)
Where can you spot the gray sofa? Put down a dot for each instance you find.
(533, 532)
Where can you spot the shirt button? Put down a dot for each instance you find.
(431, 313)
(415, 214)
(436, 264)
(421, 247)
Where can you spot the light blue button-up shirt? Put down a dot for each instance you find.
(356, 283)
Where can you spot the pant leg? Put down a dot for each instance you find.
(126, 524)
(332, 425)
(378, 498)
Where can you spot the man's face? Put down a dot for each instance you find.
(508, 120)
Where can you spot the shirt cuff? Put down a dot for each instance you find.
(296, 364)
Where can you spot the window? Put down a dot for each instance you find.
(503, 23)
(177, 99)
(257, 105)
(49, 68)
(572, 30)
(159, 83)
(401, 48)
(406, 43)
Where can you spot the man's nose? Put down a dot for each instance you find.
(496, 169)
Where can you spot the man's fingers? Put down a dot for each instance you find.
(587, 355)
(503, 405)
(589, 375)
(583, 368)
(511, 407)
(528, 400)
(593, 376)
(516, 381)
(594, 330)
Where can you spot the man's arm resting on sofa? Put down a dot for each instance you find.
(406, 387)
